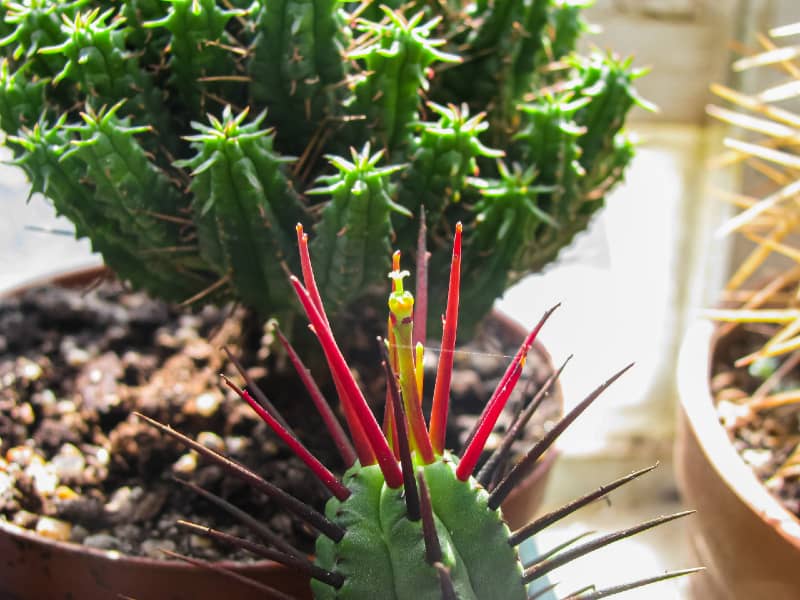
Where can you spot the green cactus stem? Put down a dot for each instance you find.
(355, 227)
(397, 56)
(244, 206)
(201, 62)
(296, 66)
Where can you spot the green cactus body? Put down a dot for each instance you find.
(303, 87)
(55, 171)
(241, 191)
(608, 83)
(98, 62)
(526, 56)
(441, 89)
(567, 25)
(396, 57)
(36, 25)
(149, 41)
(382, 547)
(354, 230)
(21, 99)
(119, 168)
(444, 158)
(197, 49)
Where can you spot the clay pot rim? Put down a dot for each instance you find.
(31, 537)
(93, 271)
(697, 403)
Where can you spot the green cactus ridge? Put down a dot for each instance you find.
(382, 547)
(242, 115)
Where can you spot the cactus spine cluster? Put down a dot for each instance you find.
(410, 520)
(185, 138)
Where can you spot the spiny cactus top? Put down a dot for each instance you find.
(409, 519)
(185, 138)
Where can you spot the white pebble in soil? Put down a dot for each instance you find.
(154, 548)
(186, 464)
(45, 478)
(101, 541)
(211, 440)
(207, 404)
(69, 463)
(53, 529)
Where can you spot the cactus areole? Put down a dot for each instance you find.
(185, 138)
(408, 520)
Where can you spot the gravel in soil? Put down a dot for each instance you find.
(768, 439)
(76, 465)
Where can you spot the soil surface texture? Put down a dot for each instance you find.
(764, 429)
(76, 465)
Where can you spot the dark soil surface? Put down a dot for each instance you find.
(767, 436)
(76, 465)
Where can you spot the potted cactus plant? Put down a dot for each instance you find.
(186, 139)
(409, 518)
(737, 449)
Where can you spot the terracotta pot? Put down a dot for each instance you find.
(35, 568)
(747, 540)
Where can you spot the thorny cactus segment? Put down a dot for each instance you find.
(397, 56)
(99, 64)
(408, 520)
(445, 155)
(240, 193)
(384, 550)
(302, 88)
(201, 61)
(245, 113)
(355, 229)
(120, 222)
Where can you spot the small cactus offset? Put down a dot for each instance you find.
(409, 519)
(185, 138)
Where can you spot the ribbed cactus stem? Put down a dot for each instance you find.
(240, 190)
(445, 155)
(37, 25)
(98, 62)
(397, 54)
(199, 61)
(352, 242)
(302, 88)
(21, 99)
